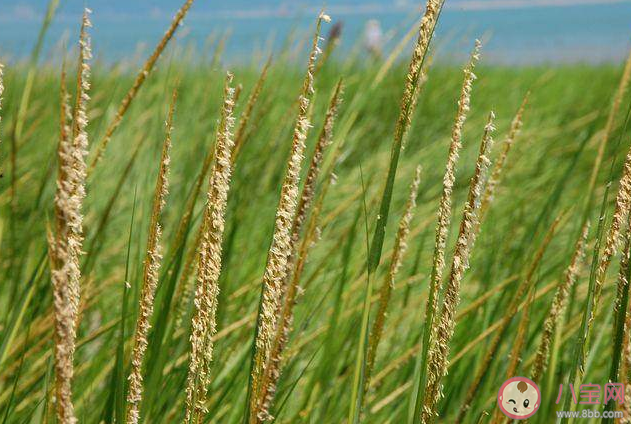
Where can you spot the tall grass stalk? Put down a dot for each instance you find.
(443, 329)
(385, 293)
(138, 82)
(150, 276)
(281, 247)
(426, 31)
(616, 229)
(406, 111)
(65, 245)
(442, 228)
(204, 325)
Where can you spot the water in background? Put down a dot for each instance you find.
(590, 33)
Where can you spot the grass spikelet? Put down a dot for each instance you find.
(444, 328)
(204, 320)
(444, 215)
(240, 133)
(184, 290)
(292, 276)
(280, 249)
(308, 191)
(151, 268)
(80, 146)
(558, 305)
(138, 82)
(400, 247)
(498, 169)
(65, 245)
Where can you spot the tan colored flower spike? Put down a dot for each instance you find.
(295, 262)
(204, 325)
(443, 329)
(281, 248)
(65, 246)
(151, 269)
(444, 208)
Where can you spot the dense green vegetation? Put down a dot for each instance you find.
(546, 177)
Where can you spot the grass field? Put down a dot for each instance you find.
(526, 240)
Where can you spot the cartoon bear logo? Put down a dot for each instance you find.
(519, 398)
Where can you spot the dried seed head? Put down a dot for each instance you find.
(444, 208)
(66, 245)
(426, 30)
(152, 263)
(204, 325)
(293, 268)
(443, 329)
(281, 248)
